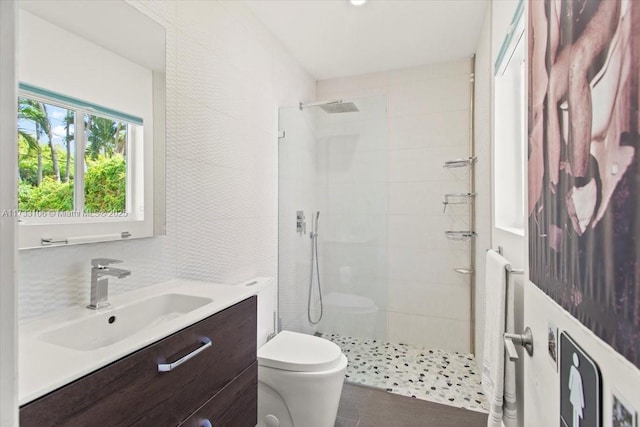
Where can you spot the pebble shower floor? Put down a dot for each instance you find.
(435, 375)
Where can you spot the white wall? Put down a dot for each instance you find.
(513, 245)
(226, 78)
(483, 173)
(542, 390)
(428, 123)
(94, 74)
(8, 224)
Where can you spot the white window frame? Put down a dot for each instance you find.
(37, 230)
(510, 154)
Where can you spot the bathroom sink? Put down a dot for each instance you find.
(104, 328)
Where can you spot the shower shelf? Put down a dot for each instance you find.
(465, 271)
(460, 163)
(460, 235)
(457, 199)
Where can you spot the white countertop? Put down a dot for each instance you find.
(44, 367)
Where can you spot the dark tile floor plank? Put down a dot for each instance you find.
(367, 407)
(344, 422)
(353, 401)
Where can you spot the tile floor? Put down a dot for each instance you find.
(434, 375)
(362, 406)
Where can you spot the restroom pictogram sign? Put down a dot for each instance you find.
(580, 391)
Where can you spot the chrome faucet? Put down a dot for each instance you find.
(100, 281)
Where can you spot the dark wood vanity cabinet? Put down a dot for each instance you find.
(218, 385)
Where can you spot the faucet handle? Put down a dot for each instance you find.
(101, 262)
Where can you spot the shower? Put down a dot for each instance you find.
(314, 259)
(384, 290)
(329, 107)
(333, 162)
(332, 107)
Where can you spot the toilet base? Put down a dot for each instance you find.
(299, 399)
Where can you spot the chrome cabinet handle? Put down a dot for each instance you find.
(205, 423)
(166, 367)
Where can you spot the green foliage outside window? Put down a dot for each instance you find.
(28, 163)
(105, 184)
(105, 189)
(49, 196)
(46, 160)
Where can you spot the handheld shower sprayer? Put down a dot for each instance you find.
(314, 258)
(314, 227)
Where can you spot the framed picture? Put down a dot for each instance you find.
(552, 344)
(622, 414)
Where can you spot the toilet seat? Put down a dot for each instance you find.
(292, 351)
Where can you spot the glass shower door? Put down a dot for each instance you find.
(352, 190)
(334, 163)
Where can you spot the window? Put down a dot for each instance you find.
(78, 163)
(46, 146)
(510, 129)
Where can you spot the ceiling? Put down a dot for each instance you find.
(332, 38)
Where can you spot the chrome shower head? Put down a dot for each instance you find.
(332, 107)
(340, 107)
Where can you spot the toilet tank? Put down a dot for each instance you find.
(267, 306)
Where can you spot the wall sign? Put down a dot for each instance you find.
(580, 391)
(583, 167)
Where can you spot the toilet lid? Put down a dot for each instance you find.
(292, 351)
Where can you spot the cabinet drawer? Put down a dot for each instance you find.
(131, 391)
(236, 405)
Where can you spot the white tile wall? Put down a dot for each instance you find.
(433, 264)
(435, 332)
(445, 300)
(429, 96)
(424, 130)
(226, 78)
(346, 281)
(353, 86)
(427, 123)
(416, 231)
(423, 198)
(483, 173)
(428, 72)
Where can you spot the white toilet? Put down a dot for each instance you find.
(300, 380)
(300, 376)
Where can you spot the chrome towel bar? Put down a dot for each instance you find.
(511, 340)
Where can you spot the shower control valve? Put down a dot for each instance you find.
(301, 225)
